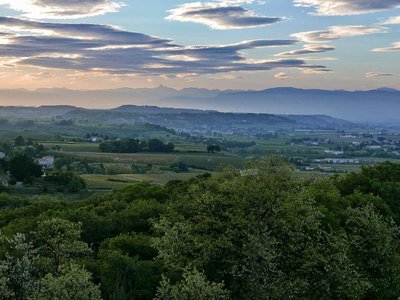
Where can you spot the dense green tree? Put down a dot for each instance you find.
(22, 167)
(59, 243)
(127, 273)
(19, 141)
(66, 181)
(193, 286)
(213, 148)
(382, 181)
(260, 233)
(73, 282)
(18, 268)
(32, 269)
(375, 249)
(5, 290)
(155, 145)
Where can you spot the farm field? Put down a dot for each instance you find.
(74, 150)
(119, 165)
(97, 182)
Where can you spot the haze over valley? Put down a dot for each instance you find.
(379, 106)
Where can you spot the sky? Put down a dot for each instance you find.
(223, 44)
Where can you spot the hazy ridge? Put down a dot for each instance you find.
(373, 106)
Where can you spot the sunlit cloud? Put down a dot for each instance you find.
(394, 47)
(348, 7)
(220, 15)
(226, 77)
(392, 21)
(337, 32)
(281, 76)
(308, 49)
(62, 9)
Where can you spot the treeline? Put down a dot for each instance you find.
(258, 233)
(135, 146)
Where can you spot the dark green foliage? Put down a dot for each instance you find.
(19, 141)
(194, 286)
(128, 269)
(180, 167)
(23, 167)
(74, 282)
(3, 164)
(257, 233)
(42, 264)
(213, 148)
(267, 236)
(382, 181)
(155, 145)
(375, 246)
(65, 181)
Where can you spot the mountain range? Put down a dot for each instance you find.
(373, 106)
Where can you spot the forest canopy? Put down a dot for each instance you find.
(258, 233)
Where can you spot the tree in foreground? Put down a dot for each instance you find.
(44, 267)
(73, 282)
(60, 244)
(194, 286)
(267, 236)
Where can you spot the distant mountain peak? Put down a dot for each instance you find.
(387, 89)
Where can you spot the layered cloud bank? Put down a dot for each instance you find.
(107, 49)
(32, 47)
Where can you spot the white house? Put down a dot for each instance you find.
(334, 152)
(374, 147)
(2, 155)
(46, 162)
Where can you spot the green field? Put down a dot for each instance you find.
(194, 156)
(104, 182)
(105, 171)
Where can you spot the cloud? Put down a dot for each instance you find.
(316, 71)
(392, 21)
(62, 9)
(321, 58)
(394, 47)
(110, 50)
(281, 76)
(337, 32)
(227, 76)
(377, 74)
(308, 49)
(220, 15)
(348, 7)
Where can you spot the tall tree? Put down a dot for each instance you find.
(22, 167)
(60, 243)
